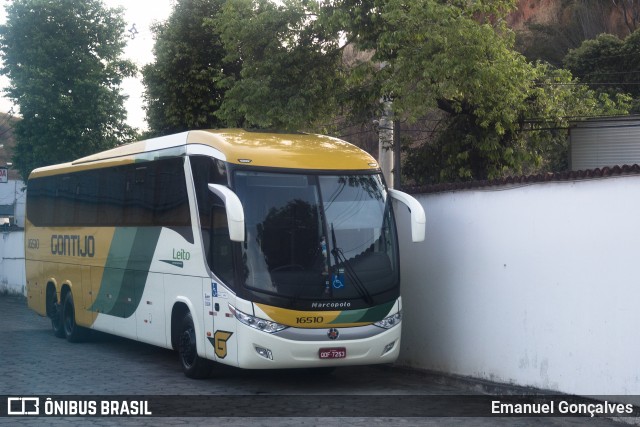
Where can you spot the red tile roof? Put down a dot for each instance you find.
(529, 179)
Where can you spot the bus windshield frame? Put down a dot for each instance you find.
(316, 240)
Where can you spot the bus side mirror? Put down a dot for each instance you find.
(235, 211)
(418, 217)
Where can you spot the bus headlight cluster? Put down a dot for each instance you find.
(256, 322)
(390, 322)
(264, 352)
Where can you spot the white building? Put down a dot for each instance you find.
(605, 142)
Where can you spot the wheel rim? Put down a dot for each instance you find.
(188, 347)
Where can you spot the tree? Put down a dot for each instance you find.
(63, 62)
(291, 69)
(536, 142)
(456, 57)
(609, 65)
(184, 83)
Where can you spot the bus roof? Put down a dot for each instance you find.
(268, 149)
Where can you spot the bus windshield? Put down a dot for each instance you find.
(317, 237)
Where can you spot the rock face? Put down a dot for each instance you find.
(539, 11)
(619, 17)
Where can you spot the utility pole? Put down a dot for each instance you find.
(385, 143)
(397, 177)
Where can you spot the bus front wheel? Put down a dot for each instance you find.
(72, 331)
(193, 365)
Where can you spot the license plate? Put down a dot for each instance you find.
(333, 353)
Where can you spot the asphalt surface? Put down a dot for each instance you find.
(35, 363)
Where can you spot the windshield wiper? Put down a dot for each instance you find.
(340, 258)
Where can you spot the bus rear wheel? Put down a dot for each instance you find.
(54, 311)
(193, 365)
(72, 331)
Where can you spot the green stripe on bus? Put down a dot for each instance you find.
(368, 315)
(126, 270)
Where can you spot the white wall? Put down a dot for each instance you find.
(537, 285)
(12, 272)
(14, 192)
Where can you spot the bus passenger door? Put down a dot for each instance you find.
(223, 337)
(218, 252)
(210, 180)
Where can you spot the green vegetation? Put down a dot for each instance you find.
(451, 68)
(609, 65)
(184, 87)
(62, 59)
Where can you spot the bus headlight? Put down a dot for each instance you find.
(256, 322)
(390, 322)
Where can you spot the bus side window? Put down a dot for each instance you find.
(111, 196)
(64, 200)
(41, 200)
(86, 199)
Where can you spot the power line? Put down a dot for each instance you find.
(603, 73)
(620, 55)
(588, 84)
(593, 116)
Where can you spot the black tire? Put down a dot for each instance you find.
(72, 331)
(193, 365)
(54, 311)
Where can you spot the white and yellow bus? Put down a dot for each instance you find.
(256, 250)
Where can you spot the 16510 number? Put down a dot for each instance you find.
(309, 319)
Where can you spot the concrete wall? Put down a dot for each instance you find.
(537, 286)
(12, 273)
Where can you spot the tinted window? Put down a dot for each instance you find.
(213, 216)
(140, 194)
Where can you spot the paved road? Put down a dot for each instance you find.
(34, 362)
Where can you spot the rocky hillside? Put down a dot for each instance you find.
(618, 17)
(547, 29)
